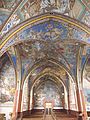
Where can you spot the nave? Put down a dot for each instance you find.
(56, 115)
(44, 59)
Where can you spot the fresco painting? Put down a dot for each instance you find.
(28, 9)
(25, 96)
(47, 92)
(86, 18)
(3, 18)
(86, 89)
(37, 50)
(41, 42)
(7, 83)
(51, 30)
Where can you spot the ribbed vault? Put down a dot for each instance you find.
(46, 39)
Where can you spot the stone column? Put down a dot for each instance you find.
(17, 104)
(68, 104)
(68, 97)
(19, 101)
(80, 96)
(65, 99)
(29, 95)
(31, 99)
(18, 93)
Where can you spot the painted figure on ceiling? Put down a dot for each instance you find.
(47, 5)
(86, 18)
(71, 4)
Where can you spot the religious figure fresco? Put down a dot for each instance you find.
(86, 18)
(7, 83)
(31, 8)
(86, 84)
(87, 97)
(47, 92)
(9, 4)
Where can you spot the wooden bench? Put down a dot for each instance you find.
(2, 116)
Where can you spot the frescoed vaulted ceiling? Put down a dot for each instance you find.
(9, 4)
(32, 52)
(25, 9)
(44, 91)
(44, 34)
(3, 60)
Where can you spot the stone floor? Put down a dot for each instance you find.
(32, 119)
(59, 116)
(48, 117)
(64, 116)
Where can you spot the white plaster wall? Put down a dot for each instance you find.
(7, 109)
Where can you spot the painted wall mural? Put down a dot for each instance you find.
(86, 90)
(77, 9)
(49, 30)
(14, 21)
(3, 18)
(55, 34)
(53, 30)
(12, 54)
(47, 92)
(3, 60)
(86, 84)
(28, 9)
(86, 18)
(36, 51)
(4, 14)
(25, 96)
(72, 96)
(7, 83)
(9, 4)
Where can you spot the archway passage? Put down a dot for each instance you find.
(48, 94)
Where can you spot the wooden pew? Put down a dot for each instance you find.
(2, 116)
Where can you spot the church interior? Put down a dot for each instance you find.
(44, 59)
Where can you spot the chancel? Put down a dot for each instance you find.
(44, 59)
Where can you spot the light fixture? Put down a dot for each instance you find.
(62, 93)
